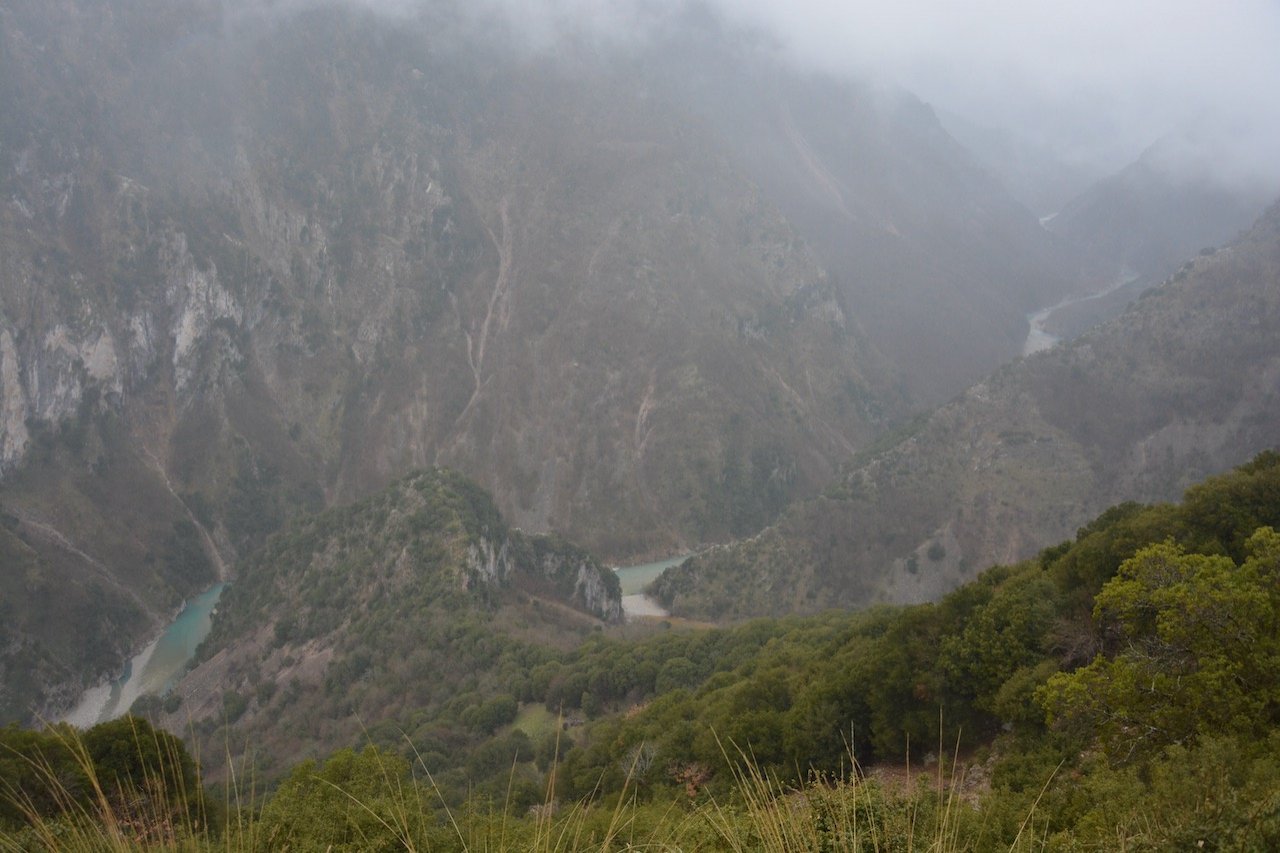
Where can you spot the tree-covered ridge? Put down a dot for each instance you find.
(1033, 663)
(803, 692)
(1191, 647)
(435, 529)
(982, 652)
(414, 601)
(1119, 689)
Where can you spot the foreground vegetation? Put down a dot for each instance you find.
(140, 794)
(1121, 691)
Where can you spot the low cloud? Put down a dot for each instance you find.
(1094, 80)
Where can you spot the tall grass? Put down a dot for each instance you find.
(408, 811)
(842, 813)
(85, 809)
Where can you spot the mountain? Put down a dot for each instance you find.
(256, 262)
(939, 263)
(1182, 385)
(1032, 172)
(409, 600)
(256, 268)
(1163, 208)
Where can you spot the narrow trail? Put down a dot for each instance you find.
(614, 229)
(640, 440)
(55, 536)
(224, 574)
(501, 285)
(640, 435)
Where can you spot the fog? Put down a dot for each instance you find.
(1097, 80)
(1094, 81)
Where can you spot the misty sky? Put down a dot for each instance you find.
(1095, 80)
(1100, 78)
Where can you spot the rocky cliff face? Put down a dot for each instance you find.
(553, 566)
(410, 263)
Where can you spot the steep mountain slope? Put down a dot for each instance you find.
(942, 264)
(261, 261)
(1182, 385)
(401, 603)
(1151, 216)
(249, 269)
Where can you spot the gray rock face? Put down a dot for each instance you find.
(13, 404)
(591, 588)
(486, 564)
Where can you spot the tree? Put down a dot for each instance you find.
(130, 753)
(1194, 648)
(998, 639)
(354, 801)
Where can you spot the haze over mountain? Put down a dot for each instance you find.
(647, 275)
(940, 262)
(1160, 210)
(1031, 171)
(1095, 82)
(255, 265)
(1182, 385)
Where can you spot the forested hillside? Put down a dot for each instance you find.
(1183, 385)
(414, 604)
(1122, 688)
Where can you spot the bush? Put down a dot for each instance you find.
(352, 802)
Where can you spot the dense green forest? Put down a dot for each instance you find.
(1121, 690)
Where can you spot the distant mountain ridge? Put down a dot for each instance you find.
(1160, 210)
(1182, 385)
